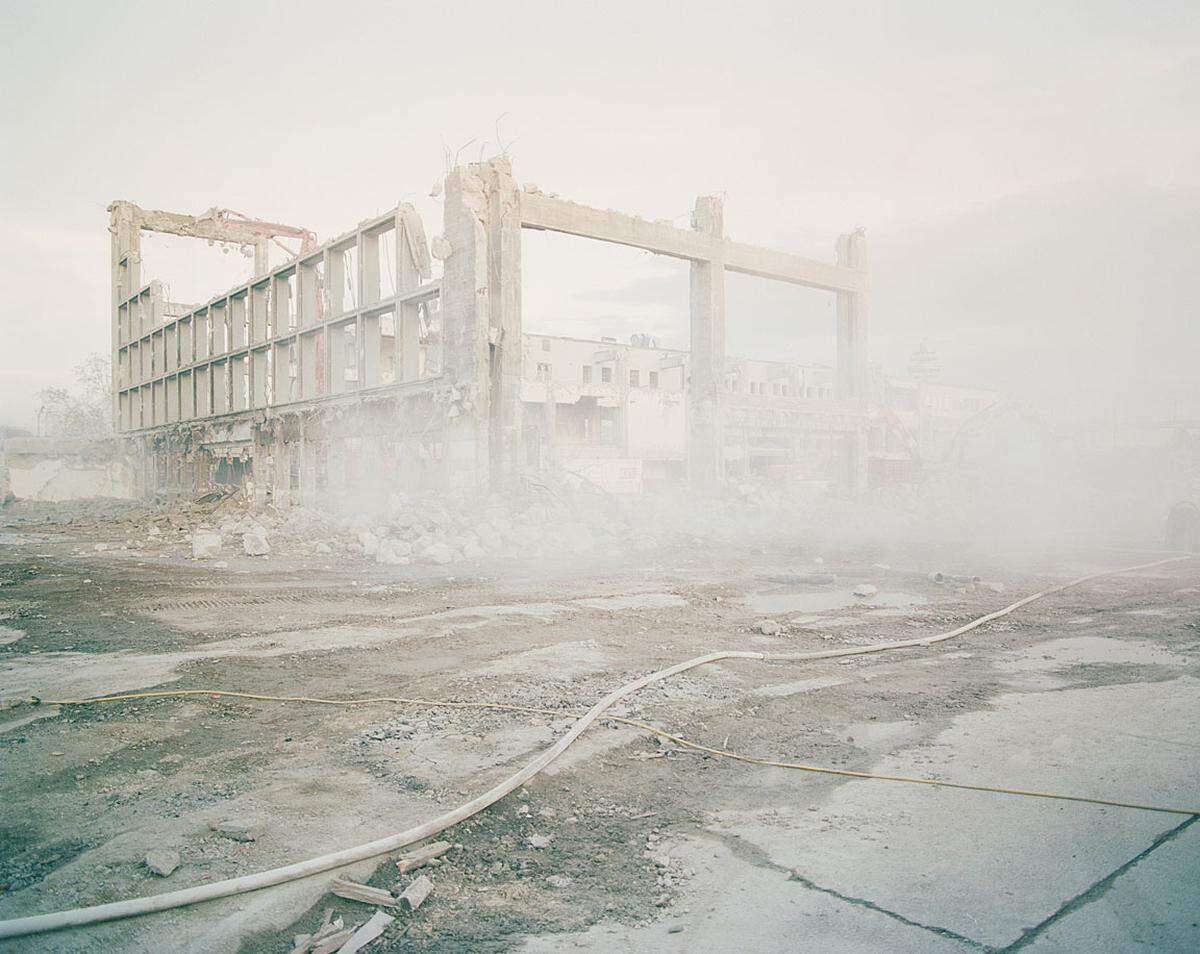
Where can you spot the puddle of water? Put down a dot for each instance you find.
(562, 659)
(819, 602)
(797, 687)
(75, 674)
(17, 539)
(9, 635)
(634, 601)
(1076, 650)
(41, 712)
(897, 612)
(540, 610)
(825, 622)
(547, 610)
(874, 733)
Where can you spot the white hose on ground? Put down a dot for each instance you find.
(41, 923)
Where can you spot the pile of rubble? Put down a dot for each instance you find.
(542, 521)
(429, 529)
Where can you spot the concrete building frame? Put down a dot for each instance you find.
(225, 379)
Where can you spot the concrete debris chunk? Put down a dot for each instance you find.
(206, 545)
(539, 841)
(395, 552)
(415, 894)
(238, 829)
(865, 590)
(473, 551)
(369, 542)
(353, 891)
(439, 553)
(422, 856)
(162, 861)
(560, 881)
(367, 933)
(254, 542)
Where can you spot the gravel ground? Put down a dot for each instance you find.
(625, 843)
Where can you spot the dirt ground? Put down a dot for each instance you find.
(636, 845)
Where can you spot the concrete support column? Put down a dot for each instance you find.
(126, 260)
(262, 258)
(504, 321)
(412, 266)
(852, 324)
(370, 370)
(262, 476)
(706, 440)
(852, 384)
(550, 455)
(465, 308)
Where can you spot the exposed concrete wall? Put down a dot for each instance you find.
(50, 469)
(257, 382)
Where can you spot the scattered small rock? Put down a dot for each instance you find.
(162, 861)
(238, 829)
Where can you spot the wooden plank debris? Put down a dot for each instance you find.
(330, 932)
(367, 933)
(334, 942)
(353, 891)
(415, 894)
(422, 856)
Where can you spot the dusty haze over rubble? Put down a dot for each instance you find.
(1027, 174)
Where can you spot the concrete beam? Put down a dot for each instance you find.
(795, 269)
(540, 211)
(546, 213)
(213, 225)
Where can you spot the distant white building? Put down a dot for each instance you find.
(617, 414)
(589, 401)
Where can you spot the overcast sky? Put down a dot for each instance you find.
(1028, 173)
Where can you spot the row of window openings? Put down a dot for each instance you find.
(546, 371)
(136, 358)
(379, 285)
(780, 390)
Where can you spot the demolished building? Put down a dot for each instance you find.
(350, 360)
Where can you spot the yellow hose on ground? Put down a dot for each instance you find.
(644, 726)
(40, 923)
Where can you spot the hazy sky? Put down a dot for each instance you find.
(1028, 173)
